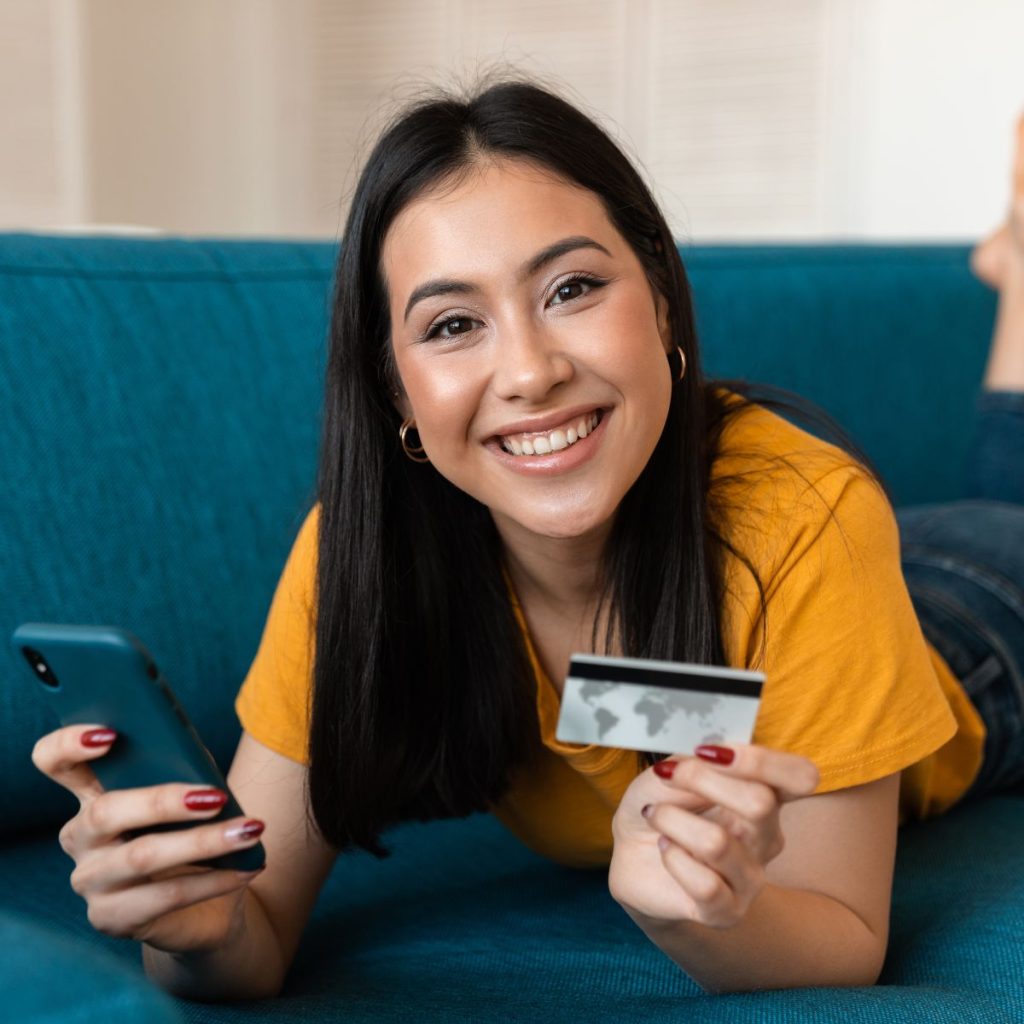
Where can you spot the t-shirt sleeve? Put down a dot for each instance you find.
(849, 680)
(273, 702)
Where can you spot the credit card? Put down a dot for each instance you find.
(666, 706)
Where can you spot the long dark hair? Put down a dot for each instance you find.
(423, 698)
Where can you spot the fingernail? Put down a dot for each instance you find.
(665, 768)
(243, 833)
(205, 799)
(646, 810)
(663, 843)
(98, 737)
(720, 755)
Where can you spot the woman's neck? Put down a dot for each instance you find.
(562, 574)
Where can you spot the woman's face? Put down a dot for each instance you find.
(523, 322)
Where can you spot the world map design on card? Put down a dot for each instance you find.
(643, 704)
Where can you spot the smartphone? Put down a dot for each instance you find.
(104, 674)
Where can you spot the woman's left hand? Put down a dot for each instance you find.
(718, 825)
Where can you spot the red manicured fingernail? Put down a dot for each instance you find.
(98, 737)
(720, 755)
(665, 768)
(243, 833)
(205, 799)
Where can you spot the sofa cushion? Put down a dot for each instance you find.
(161, 406)
(463, 923)
(48, 975)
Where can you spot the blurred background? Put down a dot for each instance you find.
(752, 119)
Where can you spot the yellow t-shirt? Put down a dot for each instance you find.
(851, 681)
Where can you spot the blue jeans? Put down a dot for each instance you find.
(963, 562)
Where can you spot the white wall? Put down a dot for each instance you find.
(197, 114)
(789, 119)
(942, 85)
(42, 164)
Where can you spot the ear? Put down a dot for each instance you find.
(401, 402)
(664, 322)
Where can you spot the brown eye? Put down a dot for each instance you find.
(575, 288)
(457, 326)
(450, 328)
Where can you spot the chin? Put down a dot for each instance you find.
(563, 524)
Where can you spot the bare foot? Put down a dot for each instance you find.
(990, 259)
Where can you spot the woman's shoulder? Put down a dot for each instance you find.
(296, 586)
(780, 488)
(757, 440)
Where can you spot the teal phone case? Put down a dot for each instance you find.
(104, 674)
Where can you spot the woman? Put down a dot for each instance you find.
(521, 458)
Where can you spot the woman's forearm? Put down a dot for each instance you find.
(1005, 368)
(789, 938)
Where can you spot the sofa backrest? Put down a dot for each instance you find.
(160, 410)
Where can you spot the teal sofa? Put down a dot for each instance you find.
(159, 419)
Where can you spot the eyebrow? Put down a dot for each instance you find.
(446, 286)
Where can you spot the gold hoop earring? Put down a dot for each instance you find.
(682, 364)
(415, 450)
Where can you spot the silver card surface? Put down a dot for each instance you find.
(669, 706)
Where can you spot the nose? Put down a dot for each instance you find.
(529, 362)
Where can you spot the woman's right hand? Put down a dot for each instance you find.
(147, 888)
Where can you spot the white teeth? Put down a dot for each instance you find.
(556, 441)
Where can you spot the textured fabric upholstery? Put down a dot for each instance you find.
(50, 975)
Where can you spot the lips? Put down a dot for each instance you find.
(544, 424)
(559, 460)
(565, 434)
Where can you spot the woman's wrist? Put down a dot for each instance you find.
(791, 938)
(245, 965)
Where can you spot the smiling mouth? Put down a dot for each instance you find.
(568, 434)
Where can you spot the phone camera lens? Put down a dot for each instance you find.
(38, 665)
